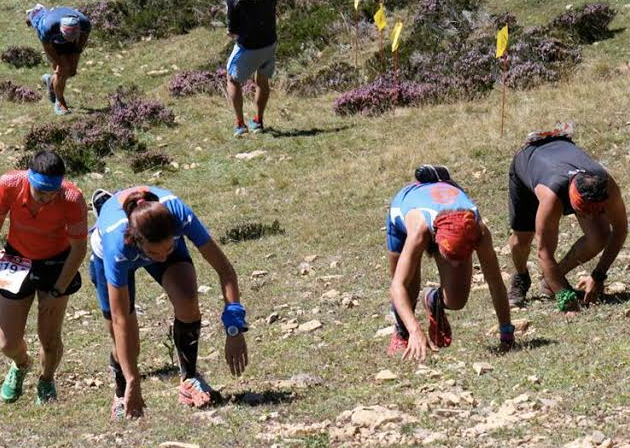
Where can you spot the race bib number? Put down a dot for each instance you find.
(13, 272)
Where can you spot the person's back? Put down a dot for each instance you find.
(48, 24)
(430, 199)
(553, 164)
(254, 21)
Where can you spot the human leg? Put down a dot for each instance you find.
(13, 316)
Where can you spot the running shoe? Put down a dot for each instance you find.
(60, 110)
(397, 344)
(99, 197)
(519, 285)
(46, 391)
(439, 328)
(255, 127)
(240, 131)
(12, 386)
(118, 409)
(196, 392)
(47, 80)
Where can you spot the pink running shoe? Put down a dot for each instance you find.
(197, 393)
(396, 344)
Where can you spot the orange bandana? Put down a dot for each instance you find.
(582, 205)
(457, 234)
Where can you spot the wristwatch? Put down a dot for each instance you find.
(599, 276)
(232, 330)
(55, 293)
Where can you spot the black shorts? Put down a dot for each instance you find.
(67, 48)
(523, 204)
(43, 276)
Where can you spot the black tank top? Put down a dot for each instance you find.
(553, 164)
(254, 21)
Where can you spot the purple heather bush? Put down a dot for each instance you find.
(203, 81)
(586, 24)
(384, 94)
(22, 56)
(105, 16)
(149, 159)
(85, 141)
(17, 93)
(128, 109)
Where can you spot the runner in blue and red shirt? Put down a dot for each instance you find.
(144, 227)
(434, 215)
(63, 33)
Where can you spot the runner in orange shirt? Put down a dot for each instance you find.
(47, 242)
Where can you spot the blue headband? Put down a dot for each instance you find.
(43, 182)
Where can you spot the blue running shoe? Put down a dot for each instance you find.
(240, 131)
(60, 110)
(255, 126)
(47, 80)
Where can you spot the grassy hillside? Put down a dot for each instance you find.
(328, 181)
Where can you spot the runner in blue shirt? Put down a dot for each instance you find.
(63, 33)
(145, 227)
(435, 216)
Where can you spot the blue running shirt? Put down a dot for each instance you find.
(47, 22)
(430, 199)
(108, 241)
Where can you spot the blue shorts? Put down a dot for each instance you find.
(395, 237)
(244, 63)
(155, 270)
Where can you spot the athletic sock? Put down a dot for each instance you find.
(119, 378)
(433, 295)
(240, 123)
(258, 120)
(186, 338)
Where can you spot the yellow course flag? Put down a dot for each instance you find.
(356, 4)
(502, 41)
(396, 36)
(379, 18)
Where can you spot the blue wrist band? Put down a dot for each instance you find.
(234, 316)
(43, 182)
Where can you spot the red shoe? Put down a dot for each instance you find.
(396, 344)
(197, 393)
(439, 328)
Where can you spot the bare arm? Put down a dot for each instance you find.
(405, 275)
(616, 212)
(78, 249)
(547, 228)
(227, 276)
(126, 332)
(492, 274)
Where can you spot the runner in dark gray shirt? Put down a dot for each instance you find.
(252, 23)
(551, 177)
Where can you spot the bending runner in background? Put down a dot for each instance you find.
(63, 33)
(550, 177)
(435, 216)
(144, 227)
(253, 24)
(46, 244)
